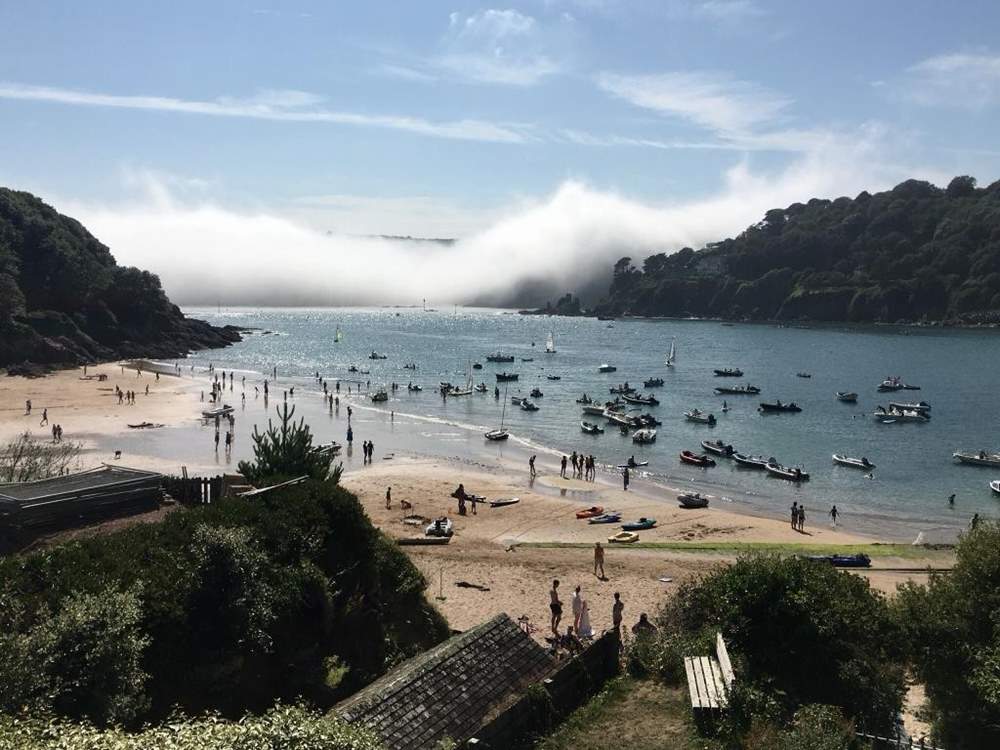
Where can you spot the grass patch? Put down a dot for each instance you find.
(908, 551)
(633, 714)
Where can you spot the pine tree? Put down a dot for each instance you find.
(286, 452)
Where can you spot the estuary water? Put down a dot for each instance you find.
(958, 372)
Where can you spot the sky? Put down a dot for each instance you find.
(247, 150)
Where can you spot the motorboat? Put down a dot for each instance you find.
(621, 390)
(503, 502)
(718, 447)
(612, 517)
(376, 355)
(982, 458)
(729, 372)
(688, 457)
(633, 398)
(751, 462)
(477, 366)
(624, 537)
(591, 512)
(692, 500)
(527, 359)
(899, 416)
(536, 393)
(741, 390)
(653, 382)
(585, 399)
(844, 561)
(380, 395)
(786, 472)
(641, 525)
(506, 377)
(995, 486)
(499, 357)
(221, 411)
(527, 405)
(803, 375)
(618, 418)
(410, 366)
(590, 428)
(777, 407)
(644, 436)
(848, 397)
(896, 384)
(440, 527)
(854, 463)
(606, 368)
(697, 415)
(553, 377)
(920, 406)
(481, 388)
(595, 411)
(647, 420)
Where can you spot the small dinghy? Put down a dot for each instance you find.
(854, 463)
(606, 368)
(699, 417)
(653, 382)
(786, 472)
(497, 435)
(590, 428)
(751, 462)
(729, 372)
(439, 527)
(644, 436)
(379, 396)
(848, 397)
(219, 412)
(591, 512)
(640, 525)
(692, 500)
(718, 447)
(481, 388)
(503, 502)
(742, 390)
(536, 393)
(778, 407)
(688, 457)
(527, 405)
(803, 375)
(553, 377)
(606, 518)
(995, 486)
(624, 537)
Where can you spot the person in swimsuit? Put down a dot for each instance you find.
(555, 606)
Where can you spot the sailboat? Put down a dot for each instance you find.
(467, 391)
(671, 355)
(337, 336)
(500, 433)
(550, 344)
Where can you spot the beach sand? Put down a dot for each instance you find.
(506, 549)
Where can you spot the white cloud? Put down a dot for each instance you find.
(405, 73)
(713, 101)
(966, 80)
(281, 106)
(206, 252)
(497, 46)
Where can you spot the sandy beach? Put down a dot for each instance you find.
(513, 551)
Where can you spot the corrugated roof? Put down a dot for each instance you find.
(451, 689)
(23, 493)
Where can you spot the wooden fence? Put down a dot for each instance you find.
(195, 490)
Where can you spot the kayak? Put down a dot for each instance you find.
(503, 502)
(606, 518)
(591, 512)
(640, 525)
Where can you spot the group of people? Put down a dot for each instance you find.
(798, 513)
(127, 397)
(367, 450)
(57, 430)
(584, 467)
(464, 497)
(581, 630)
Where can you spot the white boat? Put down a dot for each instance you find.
(380, 395)
(467, 391)
(550, 344)
(644, 436)
(500, 433)
(854, 463)
(751, 462)
(594, 411)
(219, 412)
(671, 355)
(921, 406)
(337, 336)
(995, 486)
(848, 397)
(697, 415)
(527, 405)
(440, 527)
(606, 368)
(982, 458)
(590, 428)
(899, 416)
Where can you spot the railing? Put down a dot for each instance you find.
(897, 743)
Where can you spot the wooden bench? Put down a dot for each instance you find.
(710, 679)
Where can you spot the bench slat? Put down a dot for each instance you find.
(692, 682)
(710, 685)
(720, 685)
(724, 663)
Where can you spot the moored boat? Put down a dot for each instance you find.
(848, 397)
(777, 406)
(899, 416)
(536, 393)
(692, 500)
(700, 417)
(919, 406)
(550, 344)
(718, 447)
(641, 525)
(624, 537)
(995, 486)
(803, 375)
(729, 372)
(689, 457)
(633, 398)
(481, 388)
(497, 435)
(585, 399)
(595, 411)
(590, 428)
(653, 382)
(499, 357)
(792, 474)
(506, 377)
(751, 462)
(644, 436)
(742, 390)
(980, 458)
(606, 368)
(854, 463)
(553, 377)
(376, 355)
(527, 405)
(612, 517)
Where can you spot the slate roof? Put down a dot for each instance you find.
(451, 689)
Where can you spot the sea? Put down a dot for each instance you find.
(906, 497)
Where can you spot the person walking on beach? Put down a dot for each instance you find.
(555, 606)
(802, 518)
(616, 613)
(573, 460)
(562, 470)
(974, 522)
(27, 406)
(350, 436)
(388, 498)
(371, 450)
(834, 514)
(599, 560)
(625, 478)
(45, 417)
(795, 514)
(576, 602)
(216, 439)
(531, 467)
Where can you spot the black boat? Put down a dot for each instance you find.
(777, 406)
(729, 372)
(741, 390)
(633, 398)
(718, 447)
(506, 377)
(498, 357)
(653, 382)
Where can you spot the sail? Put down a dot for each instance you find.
(550, 344)
(338, 336)
(670, 356)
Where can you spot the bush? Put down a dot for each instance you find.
(798, 632)
(25, 459)
(286, 452)
(814, 727)
(952, 626)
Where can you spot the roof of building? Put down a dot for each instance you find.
(26, 493)
(450, 689)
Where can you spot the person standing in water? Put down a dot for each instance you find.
(531, 467)
(625, 479)
(834, 514)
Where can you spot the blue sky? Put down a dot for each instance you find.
(431, 118)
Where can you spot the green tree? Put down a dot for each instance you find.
(286, 451)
